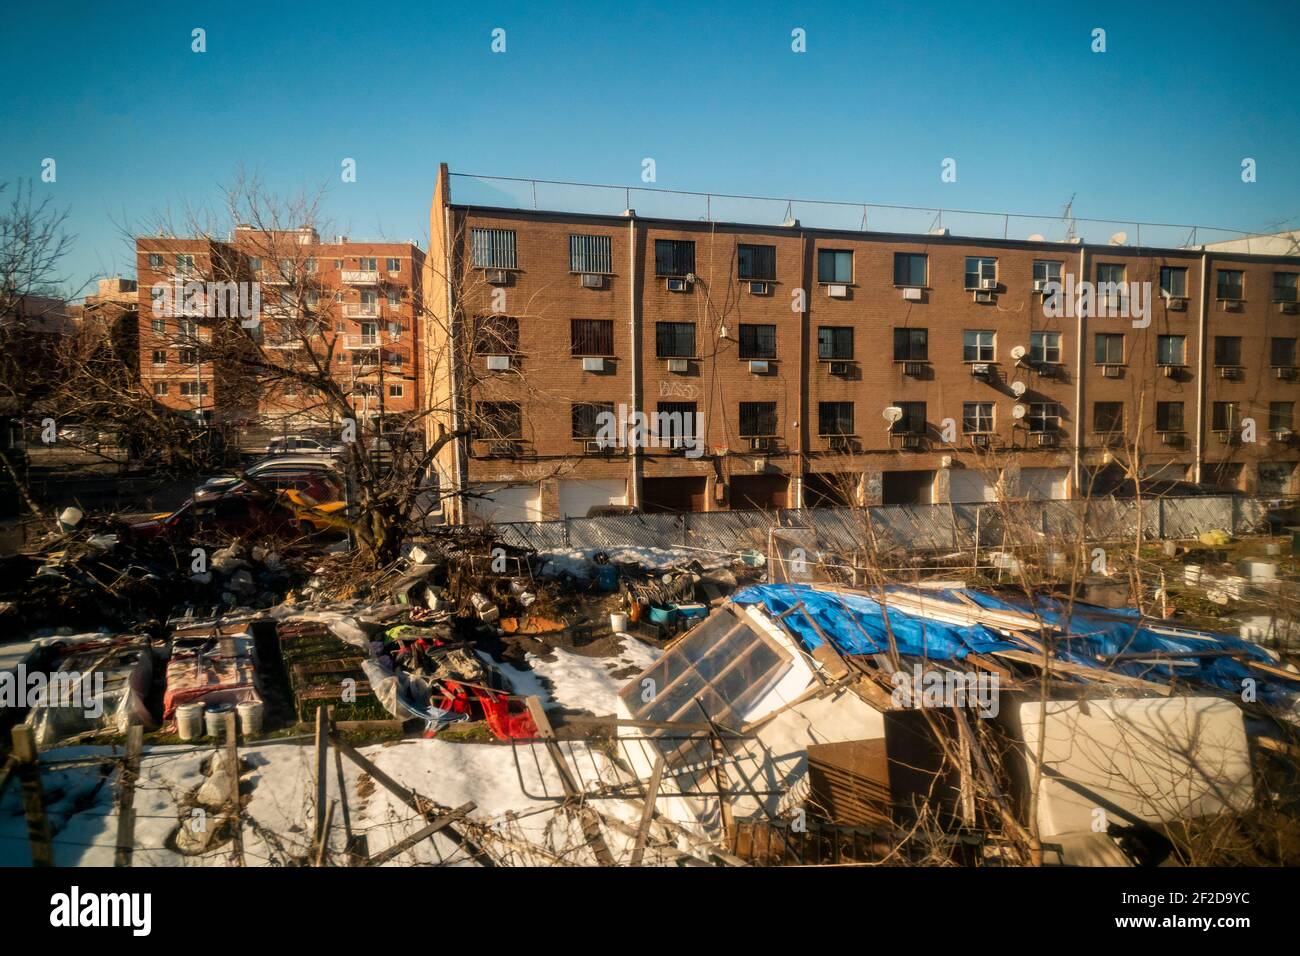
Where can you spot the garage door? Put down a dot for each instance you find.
(825, 490)
(504, 503)
(1275, 477)
(907, 487)
(578, 496)
(765, 492)
(968, 484)
(1042, 483)
(672, 494)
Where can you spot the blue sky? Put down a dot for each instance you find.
(1153, 129)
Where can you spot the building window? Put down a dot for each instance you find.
(496, 335)
(1046, 270)
(834, 343)
(1108, 348)
(834, 265)
(368, 264)
(254, 264)
(191, 389)
(160, 357)
(977, 418)
(1282, 353)
(591, 254)
(588, 417)
(913, 420)
(160, 388)
(394, 265)
(1173, 281)
(187, 356)
(395, 391)
(185, 263)
(674, 257)
(834, 418)
(756, 262)
(910, 269)
(1045, 347)
(497, 421)
(980, 269)
(1110, 276)
(310, 265)
(1227, 350)
(675, 421)
(1284, 286)
(158, 325)
(493, 248)
(594, 337)
(1108, 417)
(155, 262)
(1169, 416)
(1226, 416)
(1044, 416)
(394, 297)
(1281, 416)
(1171, 350)
(757, 341)
(757, 419)
(1231, 284)
(675, 339)
(977, 346)
(911, 345)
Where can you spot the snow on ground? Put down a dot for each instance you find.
(578, 682)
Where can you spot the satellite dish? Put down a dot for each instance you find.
(1018, 411)
(1018, 352)
(1017, 389)
(1119, 239)
(1037, 237)
(892, 414)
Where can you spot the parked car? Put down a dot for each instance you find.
(318, 485)
(302, 445)
(287, 515)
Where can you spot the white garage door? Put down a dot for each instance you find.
(969, 484)
(579, 495)
(504, 503)
(1043, 482)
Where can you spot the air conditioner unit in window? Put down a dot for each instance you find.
(762, 443)
(1283, 434)
(912, 442)
(593, 364)
(503, 449)
(1229, 305)
(598, 447)
(676, 285)
(759, 367)
(837, 291)
(985, 296)
(592, 280)
(989, 285)
(841, 369)
(1284, 372)
(758, 288)
(915, 369)
(1171, 438)
(1175, 303)
(1112, 371)
(679, 365)
(1288, 308)
(980, 370)
(841, 443)
(1227, 437)
(496, 276)
(912, 294)
(1048, 439)
(1040, 285)
(1169, 371)
(1230, 372)
(498, 363)
(979, 440)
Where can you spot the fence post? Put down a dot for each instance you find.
(29, 775)
(566, 530)
(686, 528)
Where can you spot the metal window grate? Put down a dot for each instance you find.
(756, 262)
(674, 257)
(494, 248)
(835, 342)
(757, 341)
(757, 419)
(591, 337)
(835, 418)
(675, 339)
(590, 254)
(589, 416)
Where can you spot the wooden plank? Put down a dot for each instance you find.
(38, 827)
(322, 848)
(236, 806)
(439, 823)
(126, 796)
(1088, 673)
(648, 811)
(322, 774)
(590, 822)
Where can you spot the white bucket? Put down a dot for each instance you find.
(250, 717)
(214, 719)
(618, 623)
(189, 720)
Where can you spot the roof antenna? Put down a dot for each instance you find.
(1068, 215)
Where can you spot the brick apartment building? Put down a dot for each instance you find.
(570, 312)
(351, 304)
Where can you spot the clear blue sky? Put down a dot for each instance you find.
(1153, 129)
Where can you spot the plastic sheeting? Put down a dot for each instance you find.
(98, 685)
(405, 696)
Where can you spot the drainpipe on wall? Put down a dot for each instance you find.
(801, 457)
(1080, 417)
(459, 476)
(1200, 369)
(634, 479)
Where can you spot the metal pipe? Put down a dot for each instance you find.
(634, 479)
(1197, 462)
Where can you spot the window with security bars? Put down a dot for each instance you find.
(594, 337)
(675, 339)
(757, 419)
(675, 420)
(912, 421)
(1282, 353)
(1108, 417)
(1227, 350)
(496, 335)
(493, 248)
(1169, 416)
(756, 262)
(590, 254)
(835, 343)
(497, 421)
(757, 341)
(1225, 416)
(834, 418)
(674, 257)
(911, 345)
(589, 417)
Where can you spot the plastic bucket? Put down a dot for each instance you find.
(618, 623)
(214, 719)
(189, 720)
(250, 717)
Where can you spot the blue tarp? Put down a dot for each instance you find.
(856, 624)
